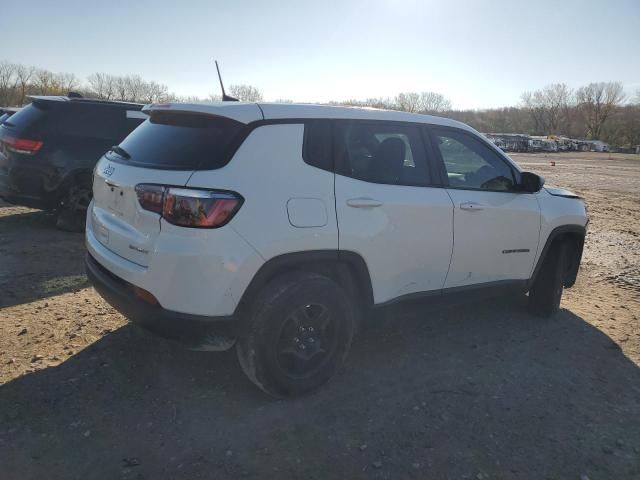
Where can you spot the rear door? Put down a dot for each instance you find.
(164, 150)
(496, 227)
(387, 210)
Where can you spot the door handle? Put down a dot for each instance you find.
(363, 203)
(471, 206)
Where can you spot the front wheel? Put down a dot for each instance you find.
(546, 292)
(299, 335)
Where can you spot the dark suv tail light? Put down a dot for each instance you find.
(22, 145)
(188, 207)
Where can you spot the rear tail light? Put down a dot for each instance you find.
(187, 207)
(22, 145)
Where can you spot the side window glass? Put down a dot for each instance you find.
(316, 146)
(380, 152)
(471, 164)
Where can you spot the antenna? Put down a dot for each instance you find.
(225, 97)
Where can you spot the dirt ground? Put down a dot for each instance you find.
(476, 391)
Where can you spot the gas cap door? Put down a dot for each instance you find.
(306, 212)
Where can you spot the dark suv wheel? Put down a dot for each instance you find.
(73, 208)
(546, 292)
(300, 332)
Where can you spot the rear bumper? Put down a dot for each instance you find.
(196, 331)
(26, 185)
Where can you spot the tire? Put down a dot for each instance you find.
(299, 334)
(546, 293)
(73, 208)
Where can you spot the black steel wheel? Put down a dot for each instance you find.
(298, 334)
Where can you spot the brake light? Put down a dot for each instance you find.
(150, 197)
(22, 145)
(188, 207)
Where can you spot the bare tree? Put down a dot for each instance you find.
(8, 82)
(424, 102)
(380, 102)
(120, 88)
(245, 93)
(432, 102)
(102, 85)
(23, 75)
(549, 107)
(66, 82)
(154, 92)
(408, 102)
(43, 82)
(597, 101)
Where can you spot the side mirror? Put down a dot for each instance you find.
(530, 182)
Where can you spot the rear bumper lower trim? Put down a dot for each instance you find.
(196, 331)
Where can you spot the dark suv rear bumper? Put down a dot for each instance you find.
(23, 179)
(196, 331)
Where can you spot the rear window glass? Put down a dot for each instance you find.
(27, 120)
(181, 141)
(90, 121)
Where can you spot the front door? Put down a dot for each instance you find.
(496, 227)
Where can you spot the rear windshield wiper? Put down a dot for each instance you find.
(120, 151)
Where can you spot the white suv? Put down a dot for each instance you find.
(276, 227)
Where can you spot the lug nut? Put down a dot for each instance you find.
(296, 340)
(310, 340)
(311, 329)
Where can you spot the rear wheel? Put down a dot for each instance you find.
(299, 335)
(546, 293)
(73, 209)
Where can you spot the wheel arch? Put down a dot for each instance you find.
(575, 236)
(346, 268)
(72, 178)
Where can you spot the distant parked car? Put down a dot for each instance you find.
(542, 145)
(48, 150)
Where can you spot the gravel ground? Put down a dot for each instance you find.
(474, 391)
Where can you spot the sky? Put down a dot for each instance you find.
(479, 54)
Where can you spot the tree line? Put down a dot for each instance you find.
(19, 81)
(598, 110)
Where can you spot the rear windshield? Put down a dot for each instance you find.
(180, 140)
(27, 120)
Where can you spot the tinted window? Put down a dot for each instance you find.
(380, 152)
(316, 147)
(89, 121)
(181, 140)
(27, 120)
(472, 164)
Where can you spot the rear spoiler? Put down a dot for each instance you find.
(238, 111)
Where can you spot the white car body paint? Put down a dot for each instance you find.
(491, 236)
(412, 239)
